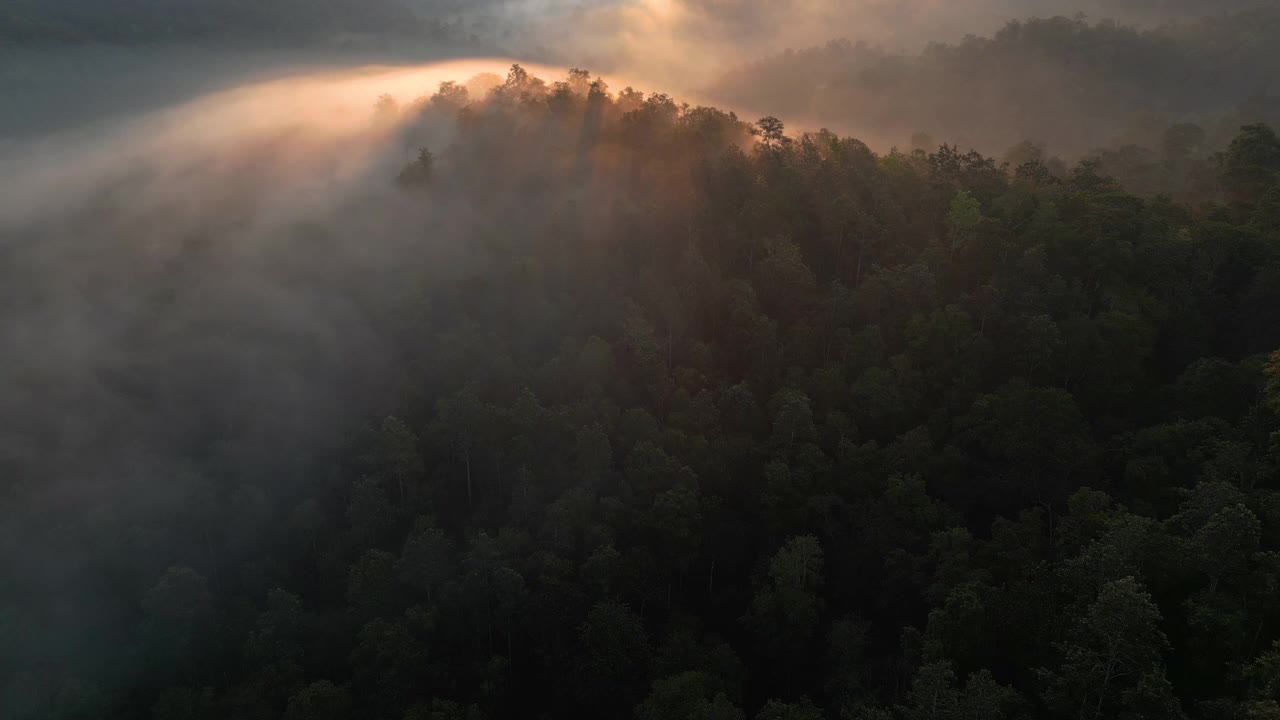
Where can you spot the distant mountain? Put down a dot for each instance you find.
(1066, 81)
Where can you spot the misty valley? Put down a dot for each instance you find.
(798, 361)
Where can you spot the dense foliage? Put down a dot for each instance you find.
(713, 422)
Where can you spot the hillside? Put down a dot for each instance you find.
(1072, 84)
(655, 413)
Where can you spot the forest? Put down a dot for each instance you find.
(708, 420)
(1070, 83)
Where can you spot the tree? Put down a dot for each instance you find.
(321, 700)
(371, 585)
(579, 80)
(178, 613)
(686, 697)
(419, 172)
(847, 651)
(1225, 544)
(677, 521)
(370, 513)
(1030, 435)
(1272, 390)
(772, 132)
(778, 710)
(1262, 675)
(936, 695)
(461, 419)
(793, 420)
(613, 647)
(427, 560)
(1251, 165)
(394, 456)
(276, 648)
(386, 109)
(517, 77)
(1113, 661)
(963, 219)
(1123, 548)
(451, 96)
(786, 607)
(444, 710)
(491, 589)
(387, 664)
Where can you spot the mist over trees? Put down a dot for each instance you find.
(533, 397)
(1072, 84)
(601, 404)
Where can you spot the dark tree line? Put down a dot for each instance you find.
(717, 422)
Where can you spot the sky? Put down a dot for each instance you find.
(683, 44)
(677, 46)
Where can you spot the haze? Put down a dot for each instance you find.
(653, 359)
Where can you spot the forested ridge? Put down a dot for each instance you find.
(1072, 83)
(715, 422)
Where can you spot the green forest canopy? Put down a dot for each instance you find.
(726, 423)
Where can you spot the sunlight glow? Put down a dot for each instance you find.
(308, 133)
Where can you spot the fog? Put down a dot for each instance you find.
(683, 44)
(678, 44)
(209, 262)
(196, 237)
(205, 259)
(201, 291)
(211, 270)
